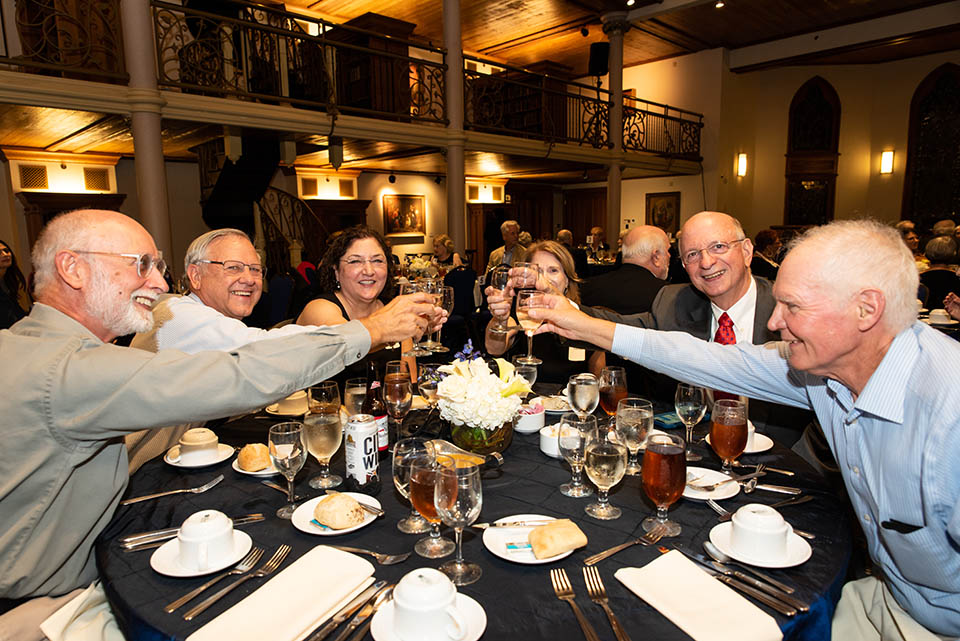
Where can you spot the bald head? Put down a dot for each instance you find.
(565, 237)
(649, 247)
(717, 255)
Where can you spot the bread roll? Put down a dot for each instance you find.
(254, 457)
(556, 537)
(339, 511)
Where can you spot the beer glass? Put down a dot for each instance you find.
(664, 476)
(728, 431)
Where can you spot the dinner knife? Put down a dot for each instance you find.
(154, 534)
(762, 597)
(484, 526)
(347, 611)
(782, 489)
(365, 613)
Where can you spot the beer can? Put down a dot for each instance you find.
(360, 448)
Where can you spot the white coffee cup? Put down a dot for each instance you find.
(206, 540)
(759, 532)
(199, 446)
(424, 608)
(294, 404)
(548, 441)
(751, 431)
(939, 316)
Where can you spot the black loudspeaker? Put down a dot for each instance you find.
(599, 58)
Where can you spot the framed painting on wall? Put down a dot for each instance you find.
(404, 214)
(663, 211)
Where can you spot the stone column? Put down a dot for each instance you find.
(456, 186)
(145, 106)
(615, 25)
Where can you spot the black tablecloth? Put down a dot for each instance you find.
(518, 599)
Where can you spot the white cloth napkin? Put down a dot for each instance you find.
(87, 617)
(697, 603)
(295, 601)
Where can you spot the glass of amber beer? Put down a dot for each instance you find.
(664, 475)
(728, 431)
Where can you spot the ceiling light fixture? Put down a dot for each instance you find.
(719, 4)
(630, 3)
(392, 179)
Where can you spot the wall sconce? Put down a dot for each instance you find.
(886, 162)
(741, 165)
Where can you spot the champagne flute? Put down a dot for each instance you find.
(434, 287)
(691, 404)
(354, 391)
(458, 497)
(397, 396)
(634, 420)
(423, 478)
(499, 278)
(583, 393)
(322, 431)
(613, 387)
(416, 350)
(728, 431)
(572, 441)
(288, 453)
(664, 477)
(404, 453)
(526, 300)
(605, 460)
(446, 302)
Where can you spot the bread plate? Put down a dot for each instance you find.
(496, 539)
(303, 516)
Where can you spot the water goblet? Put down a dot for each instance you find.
(458, 497)
(416, 350)
(571, 441)
(664, 476)
(404, 453)
(605, 460)
(691, 404)
(613, 387)
(423, 478)
(527, 300)
(288, 454)
(583, 393)
(634, 421)
(528, 372)
(322, 431)
(354, 392)
(499, 279)
(728, 431)
(398, 397)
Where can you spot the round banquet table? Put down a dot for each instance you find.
(518, 599)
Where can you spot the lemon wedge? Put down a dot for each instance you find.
(506, 369)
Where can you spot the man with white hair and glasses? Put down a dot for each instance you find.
(886, 391)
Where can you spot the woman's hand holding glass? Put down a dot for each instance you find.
(458, 497)
(405, 452)
(499, 299)
(572, 440)
(416, 350)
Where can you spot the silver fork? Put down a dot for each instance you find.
(382, 559)
(263, 571)
(246, 564)
(726, 515)
(598, 594)
(649, 538)
(193, 490)
(564, 591)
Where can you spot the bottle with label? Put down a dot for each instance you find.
(360, 454)
(373, 405)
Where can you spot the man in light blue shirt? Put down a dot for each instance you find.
(886, 391)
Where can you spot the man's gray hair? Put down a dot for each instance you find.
(944, 227)
(866, 254)
(942, 249)
(565, 236)
(507, 224)
(642, 245)
(69, 230)
(197, 250)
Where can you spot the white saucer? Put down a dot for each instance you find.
(798, 550)
(704, 476)
(268, 471)
(172, 457)
(272, 409)
(495, 539)
(303, 516)
(946, 323)
(761, 443)
(381, 625)
(560, 402)
(165, 559)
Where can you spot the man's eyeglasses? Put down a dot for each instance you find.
(692, 257)
(144, 262)
(235, 267)
(376, 262)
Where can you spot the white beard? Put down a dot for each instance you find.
(120, 317)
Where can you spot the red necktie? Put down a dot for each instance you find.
(724, 336)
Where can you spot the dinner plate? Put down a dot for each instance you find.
(172, 457)
(495, 539)
(165, 559)
(556, 404)
(798, 550)
(705, 476)
(381, 625)
(268, 471)
(303, 516)
(761, 443)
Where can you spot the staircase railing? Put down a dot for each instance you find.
(288, 226)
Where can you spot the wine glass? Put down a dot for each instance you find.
(528, 372)
(499, 278)
(664, 477)
(691, 404)
(397, 396)
(634, 420)
(583, 393)
(458, 497)
(423, 477)
(613, 387)
(416, 350)
(728, 431)
(526, 300)
(354, 392)
(428, 380)
(288, 453)
(525, 275)
(445, 301)
(434, 287)
(394, 367)
(572, 441)
(322, 431)
(605, 460)
(404, 453)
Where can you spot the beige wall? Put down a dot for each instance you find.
(374, 186)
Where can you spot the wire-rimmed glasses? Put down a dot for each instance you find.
(144, 262)
(288, 454)
(458, 497)
(572, 440)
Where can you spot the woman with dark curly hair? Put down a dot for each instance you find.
(14, 298)
(356, 277)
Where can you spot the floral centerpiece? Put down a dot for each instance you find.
(479, 404)
(419, 266)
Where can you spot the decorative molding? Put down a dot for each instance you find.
(14, 153)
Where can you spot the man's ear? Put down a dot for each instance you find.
(71, 269)
(747, 250)
(870, 307)
(193, 274)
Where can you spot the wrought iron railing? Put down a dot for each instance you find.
(510, 100)
(70, 38)
(662, 129)
(258, 53)
(285, 220)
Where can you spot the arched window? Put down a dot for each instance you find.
(812, 154)
(931, 189)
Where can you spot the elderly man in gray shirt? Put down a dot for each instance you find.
(72, 396)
